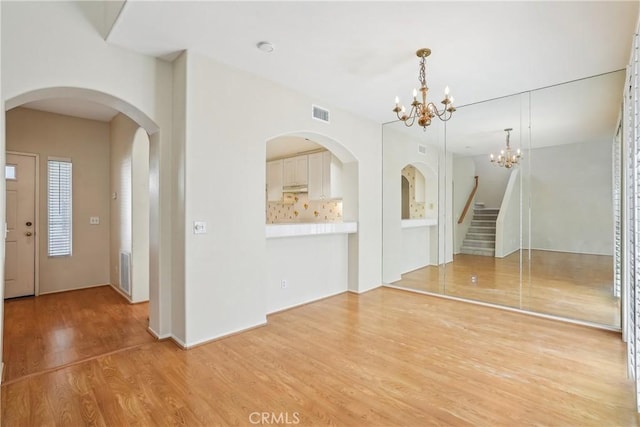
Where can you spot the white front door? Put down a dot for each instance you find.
(20, 244)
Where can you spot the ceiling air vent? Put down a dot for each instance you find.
(320, 113)
(422, 149)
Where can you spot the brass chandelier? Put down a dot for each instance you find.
(424, 111)
(507, 158)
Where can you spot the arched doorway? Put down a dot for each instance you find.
(146, 143)
(311, 206)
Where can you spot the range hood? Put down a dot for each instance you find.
(295, 189)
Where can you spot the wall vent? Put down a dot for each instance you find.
(125, 272)
(422, 149)
(320, 113)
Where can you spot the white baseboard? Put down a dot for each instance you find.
(73, 289)
(217, 337)
(157, 335)
(300, 304)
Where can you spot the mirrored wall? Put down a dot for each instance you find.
(533, 233)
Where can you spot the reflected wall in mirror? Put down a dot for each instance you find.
(412, 198)
(537, 236)
(570, 188)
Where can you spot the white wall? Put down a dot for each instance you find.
(415, 251)
(508, 230)
(446, 222)
(314, 267)
(178, 280)
(571, 193)
(122, 130)
(492, 181)
(130, 208)
(224, 186)
(140, 217)
(464, 171)
(67, 52)
(86, 143)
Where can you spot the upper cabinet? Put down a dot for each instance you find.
(274, 181)
(325, 176)
(295, 171)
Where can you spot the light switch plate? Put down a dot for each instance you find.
(199, 227)
(94, 220)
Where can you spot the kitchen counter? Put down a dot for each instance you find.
(422, 222)
(309, 229)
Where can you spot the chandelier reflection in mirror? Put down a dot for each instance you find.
(424, 111)
(507, 158)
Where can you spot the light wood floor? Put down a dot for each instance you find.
(383, 358)
(575, 286)
(57, 329)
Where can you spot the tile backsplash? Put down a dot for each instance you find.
(304, 210)
(416, 209)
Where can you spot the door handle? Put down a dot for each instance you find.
(28, 233)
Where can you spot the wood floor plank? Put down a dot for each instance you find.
(384, 358)
(575, 286)
(53, 330)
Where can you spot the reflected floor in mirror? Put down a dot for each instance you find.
(574, 286)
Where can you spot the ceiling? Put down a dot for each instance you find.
(359, 55)
(289, 145)
(75, 107)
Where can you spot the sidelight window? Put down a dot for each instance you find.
(59, 207)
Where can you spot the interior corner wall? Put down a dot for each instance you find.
(178, 218)
(86, 143)
(78, 57)
(224, 187)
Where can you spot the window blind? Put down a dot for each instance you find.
(59, 207)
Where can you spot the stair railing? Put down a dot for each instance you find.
(469, 200)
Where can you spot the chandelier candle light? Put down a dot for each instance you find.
(424, 111)
(506, 158)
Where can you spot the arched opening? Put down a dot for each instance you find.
(406, 197)
(75, 115)
(417, 237)
(419, 191)
(311, 214)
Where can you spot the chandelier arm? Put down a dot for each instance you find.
(411, 117)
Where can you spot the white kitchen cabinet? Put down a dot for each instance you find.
(274, 181)
(295, 171)
(325, 176)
